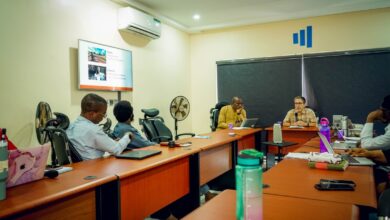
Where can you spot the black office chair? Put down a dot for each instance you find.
(384, 205)
(106, 126)
(63, 151)
(154, 128)
(214, 114)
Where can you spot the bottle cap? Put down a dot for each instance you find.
(324, 121)
(250, 157)
(246, 160)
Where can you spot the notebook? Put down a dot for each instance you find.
(138, 154)
(27, 165)
(353, 161)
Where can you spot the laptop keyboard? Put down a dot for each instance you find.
(350, 159)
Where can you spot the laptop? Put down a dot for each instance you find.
(353, 161)
(343, 145)
(138, 154)
(248, 123)
(27, 165)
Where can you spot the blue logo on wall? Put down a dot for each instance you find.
(304, 37)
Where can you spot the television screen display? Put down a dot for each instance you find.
(103, 67)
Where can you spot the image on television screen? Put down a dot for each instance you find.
(96, 54)
(97, 73)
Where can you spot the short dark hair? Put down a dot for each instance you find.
(91, 102)
(302, 98)
(123, 111)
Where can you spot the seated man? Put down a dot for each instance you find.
(382, 141)
(123, 112)
(300, 115)
(232, 114)
(87, 136)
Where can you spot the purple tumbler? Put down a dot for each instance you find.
(325, 130)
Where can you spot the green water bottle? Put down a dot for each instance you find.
(3, 165)
(249, 188)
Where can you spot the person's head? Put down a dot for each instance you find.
(93, 108)
(299, 103)
(385, 107)
(237, 103)
(123, 111)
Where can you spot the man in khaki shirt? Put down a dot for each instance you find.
(232, 114)
(300, 115)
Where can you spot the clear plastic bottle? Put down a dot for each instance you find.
(3, 164)
(277, 133)
(249, 179)
(325, 130)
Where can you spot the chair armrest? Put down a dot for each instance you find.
(158, 139)
(184, 134)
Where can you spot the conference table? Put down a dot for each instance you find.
(292, 181)
(138, 187)
(127, 189)
(276, 207)
(293, 178)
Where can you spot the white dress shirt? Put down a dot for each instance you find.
(90, 140)
(380, 142)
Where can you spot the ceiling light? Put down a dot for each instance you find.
(196, 17)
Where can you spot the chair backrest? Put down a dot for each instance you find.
(162, 131)
(63, 151)
(153, 126)
(214, 114)
(384, 205)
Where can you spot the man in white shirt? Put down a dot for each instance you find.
(382, 141)
(88, 137)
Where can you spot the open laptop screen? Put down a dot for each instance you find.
(249, 123)
(27, 165)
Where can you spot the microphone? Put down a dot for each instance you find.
(51, 173)
(296, 116)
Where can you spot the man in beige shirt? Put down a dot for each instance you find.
(232, 114)
(300, 115)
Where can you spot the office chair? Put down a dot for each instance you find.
(384, 205)
(154, 128)
(106, 126)
(63, 151)
(214, 114)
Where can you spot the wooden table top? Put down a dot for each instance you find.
(286, 128)
(293, 177)
(26, 196)
(215, 139)
(223, 206)
(241, 132)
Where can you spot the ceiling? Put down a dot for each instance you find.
(217, 14)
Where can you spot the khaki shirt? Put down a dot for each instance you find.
(227, 115)
(307, 115)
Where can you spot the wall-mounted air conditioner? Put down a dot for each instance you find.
(130, 19)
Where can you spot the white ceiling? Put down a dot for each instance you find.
(231, 13)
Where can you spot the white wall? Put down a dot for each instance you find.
(38, 58)
(368, 29)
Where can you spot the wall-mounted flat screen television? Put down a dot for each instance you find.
(103, 67)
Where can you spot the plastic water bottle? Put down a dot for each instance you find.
(277, 133)
(3, 165)
(249, 179)
(325, 130)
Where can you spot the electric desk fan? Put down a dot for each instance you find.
(179, 108)
(43, 114)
